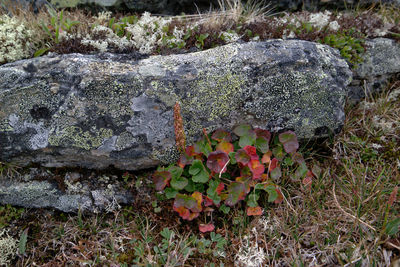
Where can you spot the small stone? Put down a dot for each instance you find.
(72, 177)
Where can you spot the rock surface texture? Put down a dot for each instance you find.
(381, 62)
(94, 111)
(174, 7)
(68, 193)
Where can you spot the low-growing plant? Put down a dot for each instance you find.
(350, 47)
(220, 171)
(58, 24)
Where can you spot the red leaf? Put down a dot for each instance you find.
(242, 157)
(263, 133)
(217, 161)
(161, 179)
(254, 211)
(184, 160)
(225, 146)
(190, 151)
(204, 228)
(274, 164)
(207, 201)
(256, 168)
(220, 187)
(183, 212)
(251, 151)
(221, 135)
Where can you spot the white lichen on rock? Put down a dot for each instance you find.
(8, 248)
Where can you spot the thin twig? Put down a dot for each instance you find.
(346, 213)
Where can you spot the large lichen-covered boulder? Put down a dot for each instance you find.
(98, 110)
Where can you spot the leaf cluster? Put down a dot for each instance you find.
(222, 169)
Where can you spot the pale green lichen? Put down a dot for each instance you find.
(76, 137)
(16, 39)
(8, 248)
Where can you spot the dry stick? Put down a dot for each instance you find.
(346, 213)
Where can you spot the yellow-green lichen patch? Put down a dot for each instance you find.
(76, 137)
(211, 96)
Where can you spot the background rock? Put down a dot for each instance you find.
(176, 7)
(381, 62)
(93, 111)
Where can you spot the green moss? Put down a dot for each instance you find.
(82, 139)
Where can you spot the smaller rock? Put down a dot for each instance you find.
(72, 177)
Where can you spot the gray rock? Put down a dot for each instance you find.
(380, 63)
(315, 5)
(46, 192)
(170, 7)
(9, 7)
(94, 111)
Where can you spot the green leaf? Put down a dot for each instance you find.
(272, 194)
(170, 192)
(252, 199)
(289, 141)
(212, 191)
(179, 183)
(190, 186)
(175, 171)
(197, 169)
(224, 209)
(301, 171)
(278, 152)
(262, 144)
(242, 130)
(276, 173)
(232, 157)
(248, 139)
(203, 146)
(22, 242)
(202, 177)
(392, 227)
(40, 52)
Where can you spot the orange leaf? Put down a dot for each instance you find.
(199, 199)
(225, 146)
(280, 196)
(254, 211)
(266, 158)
